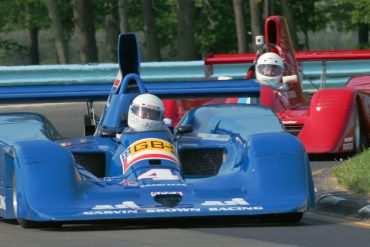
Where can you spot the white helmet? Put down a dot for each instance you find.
(145, 113)
(269, 68)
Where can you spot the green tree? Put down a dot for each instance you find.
(308, 17)
(83, 16)
(111, 22)
(60, 39)
(185, 31)
(351, 15)
(165, 23)
(29, 15)
(240, 25)
(122, 14)
(215, 26)
(150, 30)
(257, 24)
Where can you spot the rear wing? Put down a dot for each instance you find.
(303, 56)
(100, 92)
(129, 73)
(54, 93)
(128, 79)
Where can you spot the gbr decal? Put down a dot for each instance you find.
(148, 148)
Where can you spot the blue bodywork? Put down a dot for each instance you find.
(233, 159)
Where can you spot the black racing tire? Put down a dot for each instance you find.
(38, 224)
(286, 218)
(291, 218)
(29, 223)
(360, 137)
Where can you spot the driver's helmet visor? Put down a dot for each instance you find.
(146, 113)
(269, 69)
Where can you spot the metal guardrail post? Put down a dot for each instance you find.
(323, 74)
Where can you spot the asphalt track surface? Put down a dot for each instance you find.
(313, 230)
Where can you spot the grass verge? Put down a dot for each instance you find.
(354, 173)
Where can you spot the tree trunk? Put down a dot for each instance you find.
(57, 27)
(269, 8)
(150, 32)
(306, 40)
(33, 34)
(185, 31)
(85, 30)
(363, 35)
(256, 19)
(111, 31)
(240, 27)
(122, 13)
(287, 12)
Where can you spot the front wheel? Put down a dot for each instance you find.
(38, 224)
(291, 218)
(286, 218)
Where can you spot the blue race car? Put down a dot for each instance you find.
(221, 160)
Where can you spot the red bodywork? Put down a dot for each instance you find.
(329, 121)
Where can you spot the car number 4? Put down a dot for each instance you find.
(158, 174)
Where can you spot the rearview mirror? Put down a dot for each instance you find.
(184, 129)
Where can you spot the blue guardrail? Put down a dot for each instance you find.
(337, 73)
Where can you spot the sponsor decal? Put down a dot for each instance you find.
(348, 139)
(149, 148)
(232, 202)
(110, 212)
(130, 207)
(172, 210)
(118, 79)
(2, 202)
(162, 185)
(153, 194)
(235, 204)
(126, 207)
(123, 205)
(129, 182)
(254, 208)
(348, 146)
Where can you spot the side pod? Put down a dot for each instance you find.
(279, 168)
(45, 177)
(330, 121)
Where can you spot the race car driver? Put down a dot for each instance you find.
(269, 69)
(146, 114)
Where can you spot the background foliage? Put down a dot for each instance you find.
(214, 26)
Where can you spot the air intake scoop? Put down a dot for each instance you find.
(168, 200)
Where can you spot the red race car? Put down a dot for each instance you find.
(329, 121)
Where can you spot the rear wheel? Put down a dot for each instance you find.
(360, 137)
